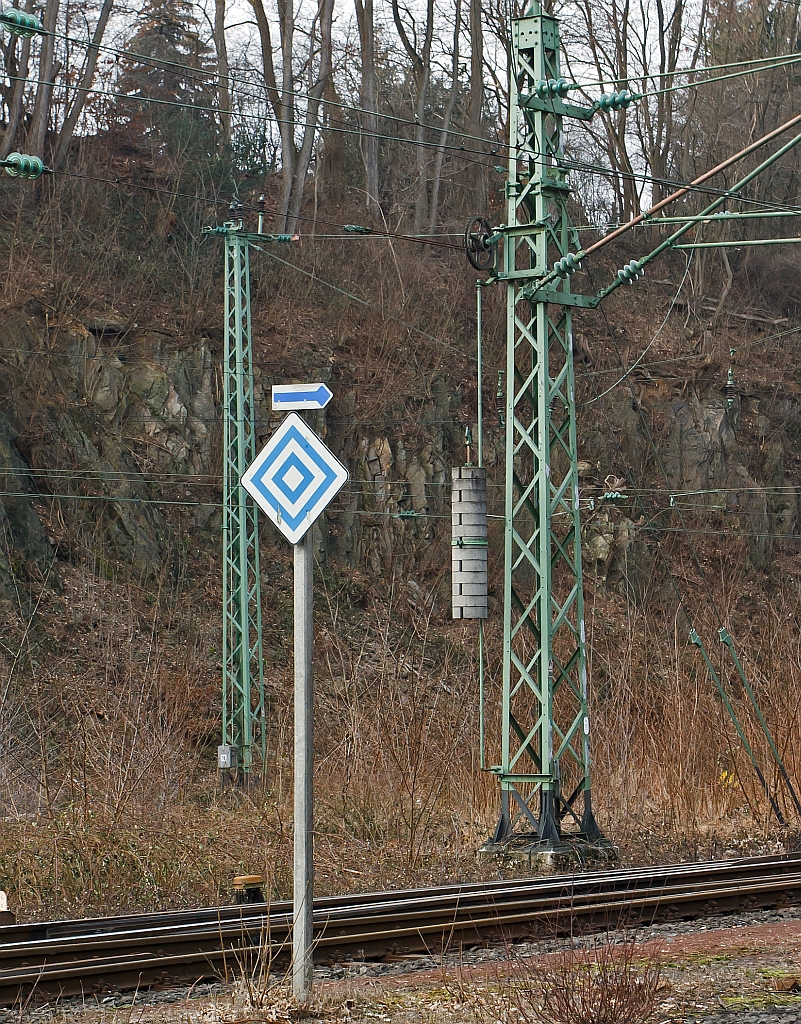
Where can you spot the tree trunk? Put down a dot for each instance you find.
(71, 120)
(47, 73)
(268, 66)
(224, 85)
(443, 138)
(325, 16)
(476, 106)
(18, 94)
(289, 152)
(421, 72)
(282, 100)
(367, 98)
(330, 162)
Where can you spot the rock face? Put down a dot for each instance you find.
(111, 412)
(107, 419)
(713, 457)
(26, 549)
(119, 416)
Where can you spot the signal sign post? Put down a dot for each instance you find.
(292, 480)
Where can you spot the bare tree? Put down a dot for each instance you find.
(368, 141)
(608, 38)
(49, 68)
(637, 45)
(443, 138)
(476, 101)
(317, 84)
(656, 121)
(421, 76)
(296, 160)
(282, 100)
(70, 123)
(17, 70)
(224, 85)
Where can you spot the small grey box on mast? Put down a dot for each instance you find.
(469, 542)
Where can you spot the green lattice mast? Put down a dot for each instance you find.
(243, 673)
(545, 757)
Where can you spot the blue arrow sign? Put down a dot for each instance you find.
(301, 396)
(294, 477)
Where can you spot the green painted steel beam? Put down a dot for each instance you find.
(243, 725)
(714, 218)
(695, 220)
(737, 245)
(544, 715)
(557, 107)
(696, 639)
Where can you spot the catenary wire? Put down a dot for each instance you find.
(363, 302)
(642, 355)
(201, 76)
(601, 83)
(602, 171)
(130, 98)
(599, 169)
(349, 131)
(375, 233)
(652, 528)
(749, 66)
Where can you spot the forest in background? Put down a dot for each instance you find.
(401, 107)
(110, 336)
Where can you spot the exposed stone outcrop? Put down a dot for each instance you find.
(100, 406)
(25, 547)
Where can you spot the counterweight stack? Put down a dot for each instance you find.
(469, 542)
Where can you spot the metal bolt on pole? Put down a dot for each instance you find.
(303, 891)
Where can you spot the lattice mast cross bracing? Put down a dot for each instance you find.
(243, 673)
(545, 759)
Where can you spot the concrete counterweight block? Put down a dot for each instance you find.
(469, 543)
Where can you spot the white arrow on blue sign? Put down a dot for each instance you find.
(301, 396)
(294, 477)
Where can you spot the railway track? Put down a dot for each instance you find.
(64, 958)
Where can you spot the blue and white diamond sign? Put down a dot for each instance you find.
(294, 477)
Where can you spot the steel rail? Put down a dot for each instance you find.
(510, 888)
(136, 951)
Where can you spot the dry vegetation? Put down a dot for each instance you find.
(613, 981)
(109, 689)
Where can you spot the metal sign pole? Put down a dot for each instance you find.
(292, 480)
(302, 931)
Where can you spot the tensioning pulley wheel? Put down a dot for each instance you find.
(480, 250)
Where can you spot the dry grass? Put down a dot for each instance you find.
(111, 801)
(611, 981)
(109, 693)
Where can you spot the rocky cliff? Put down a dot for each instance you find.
(121, 422)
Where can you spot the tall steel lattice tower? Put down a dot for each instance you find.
(243, 728)
(545, 739)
